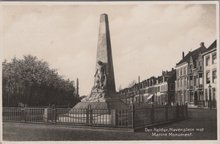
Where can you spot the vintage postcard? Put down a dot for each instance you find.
(110, 71)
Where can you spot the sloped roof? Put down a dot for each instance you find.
(212, 46)
(194, 54)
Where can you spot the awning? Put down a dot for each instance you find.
(146, 94)
(158, 94)
(150, 97)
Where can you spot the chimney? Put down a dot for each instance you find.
(202, 44)
(183, 54)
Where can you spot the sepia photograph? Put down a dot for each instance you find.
(109, 71)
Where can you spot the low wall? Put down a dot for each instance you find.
(201, 113)
(158, 114)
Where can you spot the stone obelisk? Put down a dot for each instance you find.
(103, 93)
(104, 53)
(104, 80)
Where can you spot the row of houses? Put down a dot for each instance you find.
(192, 82)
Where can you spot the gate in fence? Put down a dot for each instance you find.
(135, 117)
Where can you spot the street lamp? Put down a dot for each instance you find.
(154, 95)
(139, 87)
(210, 104)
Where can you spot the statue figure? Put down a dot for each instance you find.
(100, 76)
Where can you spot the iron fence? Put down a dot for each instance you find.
(135, 117)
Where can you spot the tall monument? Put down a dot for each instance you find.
(104, 80)
(103, 93)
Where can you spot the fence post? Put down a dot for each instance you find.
(152, 113)
(46, 115)
(166, 112)
(23, 111)
(186, 108)
(87, 115)
(113, 117)
(181, 112)
(90, 114)
(54, 113)
(177, 112)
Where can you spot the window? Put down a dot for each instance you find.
(191, 96)
(190, 68)
(180, 83)
(214, 58)
(194, 82)
(184, 71)
(177, 72)
(200, 95)
(197, 81)
(214, 76)
(213, 93)
(200, 81)
(207, 77)
(200, 65)
(181, 71)
(206, 94)
(183, 82)
(207, 60)
(177, 84)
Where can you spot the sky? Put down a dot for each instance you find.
(146, 38)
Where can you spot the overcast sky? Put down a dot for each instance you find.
(145, 38)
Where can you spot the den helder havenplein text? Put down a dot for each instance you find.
(173, 131)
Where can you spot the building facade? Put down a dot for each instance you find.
(158, 90)
(193, 82)
(165, 88)
(210, 76)
(181, 83)
(189, 76)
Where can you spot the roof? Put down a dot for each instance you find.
(212, 46)
(194, 54)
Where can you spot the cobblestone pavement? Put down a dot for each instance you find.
(202, 122)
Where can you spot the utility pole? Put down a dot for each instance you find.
(77, 87)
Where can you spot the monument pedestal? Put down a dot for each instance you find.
(97, 95)
(105, 105)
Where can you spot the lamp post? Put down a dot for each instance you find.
(210, 104)
(139, 87)
(154, 94)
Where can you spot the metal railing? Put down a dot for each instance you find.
(127, 118)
